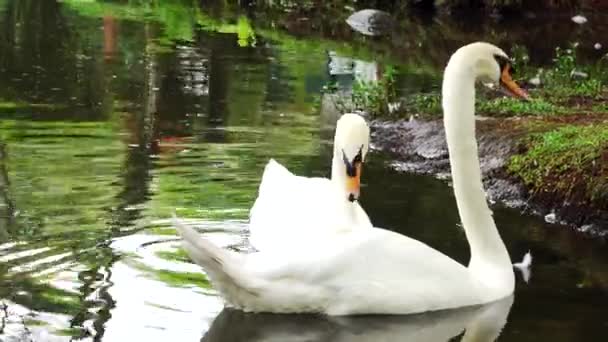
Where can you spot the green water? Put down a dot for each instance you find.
(114, 114)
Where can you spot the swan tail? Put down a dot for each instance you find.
(273, 177)
(224, 268)
(271, 208)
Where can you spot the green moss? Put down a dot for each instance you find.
(566, 161)
(559, 94)
(430, 105)
(508, 106)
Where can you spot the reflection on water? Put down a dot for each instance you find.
(480, 324)
(109, 122)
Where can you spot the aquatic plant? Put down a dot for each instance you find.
(373, 97)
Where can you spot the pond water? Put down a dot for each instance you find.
(112, 115)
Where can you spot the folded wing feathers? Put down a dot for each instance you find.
(223, 267)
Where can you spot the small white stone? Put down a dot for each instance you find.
(394, 106)
(578, 74)
(579, 19)
(535, 81)
(551, 218)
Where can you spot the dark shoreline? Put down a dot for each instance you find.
(418, 146)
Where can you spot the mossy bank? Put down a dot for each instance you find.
(547, 167)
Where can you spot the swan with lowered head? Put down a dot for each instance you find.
(363, 271)
(291, 209)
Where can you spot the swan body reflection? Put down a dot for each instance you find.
(480, 324)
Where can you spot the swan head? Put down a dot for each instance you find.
(351, 144)
(490, 64)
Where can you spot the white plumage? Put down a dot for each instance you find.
(342, 270)
(293, 209)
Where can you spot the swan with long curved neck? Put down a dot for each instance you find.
(364, 271)
(292, 209)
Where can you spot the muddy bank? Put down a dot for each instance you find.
(419, 146)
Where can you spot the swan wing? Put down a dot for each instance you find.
(291, 208)
(359, 272)
(362, 271)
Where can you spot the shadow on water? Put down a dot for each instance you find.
(113, 114)
(480, 324)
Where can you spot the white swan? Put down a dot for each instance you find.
(375, 270)
(294, 209)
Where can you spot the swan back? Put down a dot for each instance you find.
(292, 209)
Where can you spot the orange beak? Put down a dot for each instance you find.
(507, 82)
(353, 184)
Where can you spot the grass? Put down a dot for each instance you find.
(371, 97)
(508, 106)
(567, 161)
(429, 105)
(560, 93)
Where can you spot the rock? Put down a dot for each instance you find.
(535, 81)
(579, 19)
(551, 218)
(419, 147)
(394, 106)
(339, 65)
(578, 74)
(371, 22)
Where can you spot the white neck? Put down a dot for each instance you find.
(490, 260)
(338, 169)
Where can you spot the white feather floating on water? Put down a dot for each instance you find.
(524, 266)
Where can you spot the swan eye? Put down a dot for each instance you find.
(506, 81)
(359, 157)
(505, 64)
